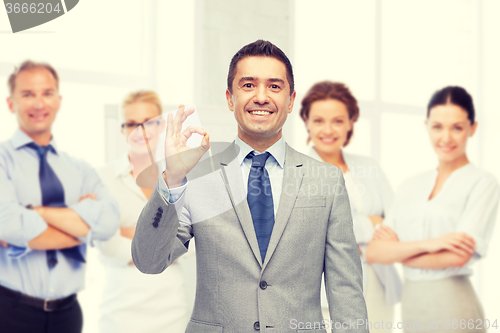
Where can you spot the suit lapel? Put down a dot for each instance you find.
(231, 172)
(292, 179)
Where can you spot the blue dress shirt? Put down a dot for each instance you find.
(21, 268)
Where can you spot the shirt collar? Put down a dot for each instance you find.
(123, 166)
(21, 139)
(277, 150)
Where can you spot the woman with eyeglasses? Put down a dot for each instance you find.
(329, 111)
(133, 301)
(441, 223)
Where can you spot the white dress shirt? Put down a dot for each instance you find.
(274, 166)
(467, 202)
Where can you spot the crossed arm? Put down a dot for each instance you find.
(451, 250)
(64, 226)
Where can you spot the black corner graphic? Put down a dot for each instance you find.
(70, 4)
(26, 14)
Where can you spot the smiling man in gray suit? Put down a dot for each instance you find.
(268, 221)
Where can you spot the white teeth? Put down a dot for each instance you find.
(38, 117)
(328, 140)
(260, 112)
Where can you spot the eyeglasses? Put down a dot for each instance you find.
(149, 123)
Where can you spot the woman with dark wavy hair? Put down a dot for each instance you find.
(441, 223)
(329, 111)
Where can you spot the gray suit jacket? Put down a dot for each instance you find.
(236, 291)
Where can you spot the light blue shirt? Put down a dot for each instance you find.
(21, 268)
(274, 166)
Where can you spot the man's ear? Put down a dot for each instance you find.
(10, 103)
(292, 100)
(229, 99)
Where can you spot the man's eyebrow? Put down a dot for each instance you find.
(246, 78)
(276, 80)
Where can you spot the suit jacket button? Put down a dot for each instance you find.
(256, 326)
(158, 215)
(160, 210)
(157, 219)
(263, 285)
(155, 224)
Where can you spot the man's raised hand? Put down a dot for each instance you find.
(179, 158)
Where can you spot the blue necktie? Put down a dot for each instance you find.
(260, 201)
(52, 196)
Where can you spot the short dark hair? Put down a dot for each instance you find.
(331, 90)
(260, 48)
(28, 65)
(453, 95)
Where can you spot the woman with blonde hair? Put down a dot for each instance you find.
(441, 223)
(329, 111)
(133, 301)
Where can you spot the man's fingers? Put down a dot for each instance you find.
(187, 113)
(193, 129)
(205, 143)
(170, 125)
(178, 119)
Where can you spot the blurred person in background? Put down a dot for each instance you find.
(441, 223)
(52, 206)
(329, 111)
(132, 301)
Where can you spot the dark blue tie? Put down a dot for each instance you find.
(260, 201)
(52, 196)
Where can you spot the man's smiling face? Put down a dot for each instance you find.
(35, 101)
(261, 99)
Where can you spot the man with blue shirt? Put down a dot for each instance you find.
(52, 206)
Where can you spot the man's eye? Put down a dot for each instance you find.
(317, 120)
(458, 128)
(275, 86)
(248, 85)
(339, 121)
(26, 95)
(436, 127)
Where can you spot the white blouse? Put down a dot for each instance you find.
(369, 194)
(467, 202)
(133, 301)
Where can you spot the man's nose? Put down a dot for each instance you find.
(39, 102)
(261, 96)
